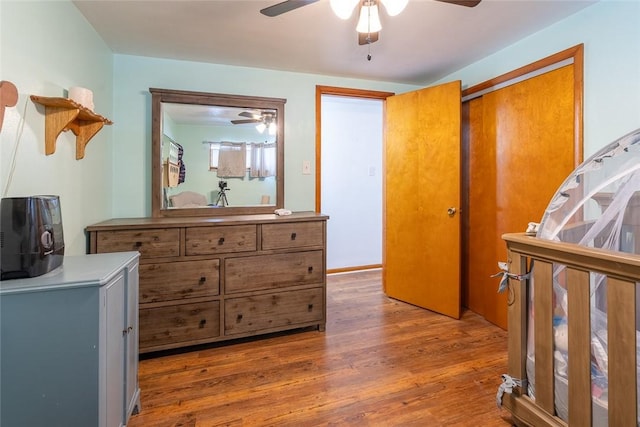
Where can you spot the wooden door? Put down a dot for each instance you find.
(421, 257)
(521, 148)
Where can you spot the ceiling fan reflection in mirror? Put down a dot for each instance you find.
(369, 25)
(264, 120)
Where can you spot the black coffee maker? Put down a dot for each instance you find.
(31, 239)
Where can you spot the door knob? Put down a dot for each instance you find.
(451, 211)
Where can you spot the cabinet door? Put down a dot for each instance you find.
(49, 362)
(113, 371)
(131, 357)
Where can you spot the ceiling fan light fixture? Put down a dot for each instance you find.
(394, 7)
(272, 128)
(343, 8)
(261, 127)
(369, 21)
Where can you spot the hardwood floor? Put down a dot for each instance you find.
(380, 362)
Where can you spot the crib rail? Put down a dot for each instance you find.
(622, 271)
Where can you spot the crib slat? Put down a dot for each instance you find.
(543, 335)
(579, 348)
(621, 342)
(516, 316)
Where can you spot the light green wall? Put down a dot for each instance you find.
(134, 75)
(47, 47)
(610, 31)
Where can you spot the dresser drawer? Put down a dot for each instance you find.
(179, 323)
(216, 240)
(179, 280)
(269, 311)
(292, 235)
(153, 243)
(273, 271)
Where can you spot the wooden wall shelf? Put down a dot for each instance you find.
(62, 114)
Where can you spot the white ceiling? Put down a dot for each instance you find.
(192, 114)
(427, 41)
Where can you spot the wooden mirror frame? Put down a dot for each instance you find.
(159, 96)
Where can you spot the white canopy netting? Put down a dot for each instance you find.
(598, 205)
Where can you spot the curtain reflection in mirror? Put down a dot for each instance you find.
(232, 160)
(260, 159)
(263, 160)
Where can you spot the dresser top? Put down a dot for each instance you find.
(75, 271)
(173, 222)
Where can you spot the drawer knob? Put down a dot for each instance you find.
(138, 244)
(310, 269)
(293, 236)
(221, 241)
(310, 307)
(203, 279)
(202, 323)
(239, 318)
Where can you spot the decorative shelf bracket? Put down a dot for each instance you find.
(62, 114)
(8, 97)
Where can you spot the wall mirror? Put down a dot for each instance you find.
(216, 154)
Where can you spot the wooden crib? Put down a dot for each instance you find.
(622, 271)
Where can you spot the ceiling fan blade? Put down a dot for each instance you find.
(285, 6)
(367, 38)
(250, 115)
(244, 121)
(467, 3)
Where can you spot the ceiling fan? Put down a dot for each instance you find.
(264, 120)
(252, 117)
(368, 26)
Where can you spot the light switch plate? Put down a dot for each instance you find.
(306, 167)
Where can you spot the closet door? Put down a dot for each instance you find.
(522, 147)
(421, 256)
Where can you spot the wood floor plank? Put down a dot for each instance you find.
(380, 362)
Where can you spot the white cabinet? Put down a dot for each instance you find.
(68, 344)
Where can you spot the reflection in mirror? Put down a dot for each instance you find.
(216, 154)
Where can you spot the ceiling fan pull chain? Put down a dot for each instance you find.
(369, 4)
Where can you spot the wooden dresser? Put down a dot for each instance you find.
(212, 279)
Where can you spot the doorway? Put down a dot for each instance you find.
(349, 175)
